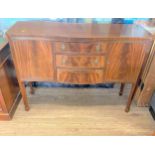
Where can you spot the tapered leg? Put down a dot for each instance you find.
(130, 98)
(24, 96)
(121, 89)
(31, 88)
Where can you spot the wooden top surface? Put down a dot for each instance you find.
(46, 29)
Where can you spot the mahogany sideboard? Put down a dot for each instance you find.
(79, 53)
(9, 88)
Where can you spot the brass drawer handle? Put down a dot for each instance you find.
(63, 61)
(63, 47)
(98, 48)
(96, 61)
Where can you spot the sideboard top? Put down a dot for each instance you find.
(46, 29)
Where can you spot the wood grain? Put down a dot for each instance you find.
(76, 32)
(67, 53)
(81, 48)
(9, 88)
(79, 112)
(34, 59)
(9, 84)
(80, 76)
(76, 61)
(149, 85)
(125, 61)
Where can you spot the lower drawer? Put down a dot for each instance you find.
(80, 76)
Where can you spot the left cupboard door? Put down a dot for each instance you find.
(33, 59)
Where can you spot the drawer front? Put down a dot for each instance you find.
(80, 76)
(81, 47)
(72, 61)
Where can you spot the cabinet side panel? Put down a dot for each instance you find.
(149, 85)
(8, 83)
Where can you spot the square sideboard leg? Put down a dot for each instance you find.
(31, 88)
(121, 89)
(24, 96)
(130, 98)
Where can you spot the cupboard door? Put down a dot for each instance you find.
(125, 60)
(33, 59)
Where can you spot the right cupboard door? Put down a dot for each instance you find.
(125, 60)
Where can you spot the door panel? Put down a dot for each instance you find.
(33, 59)
(124, 61)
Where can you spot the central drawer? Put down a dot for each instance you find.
(71, 61)
(89, 76)
(94, 47)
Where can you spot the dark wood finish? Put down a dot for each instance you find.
(76, 61)
(147, 86)
(82, 48)
(34, 59)
(130, 98)
(80, 76)
(79, 53)
(9, 88)
(31, 88)
(23, 92)
(125, 61)
(121, 89)
(76, 32)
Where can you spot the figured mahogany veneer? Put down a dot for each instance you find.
(80, 76)
(82, 48)
(79, 53)
(34, 59)
(76, 61)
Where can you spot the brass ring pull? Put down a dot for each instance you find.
(63, 61)
(63, 47)
(96, 61)
(98, 48)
